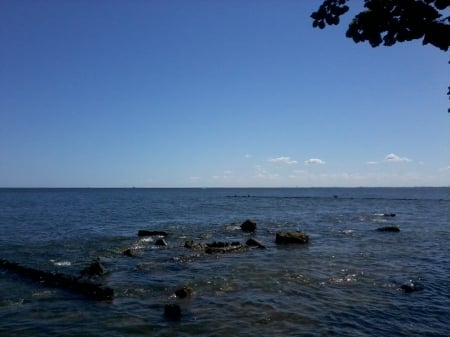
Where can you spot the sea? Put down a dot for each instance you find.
(346, 281)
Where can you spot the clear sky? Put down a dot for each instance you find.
(157, 93)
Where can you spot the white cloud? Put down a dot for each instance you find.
(314, 161)
(194, 178)
(372, 163)
(284, 160)
(248, 156)
(393, 158)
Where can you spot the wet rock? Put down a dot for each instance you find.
(58, 280)
(254, 243)
(161, 243)
(223, 247)
(143, 232)
(411, 286)
(389, 214)
(128, 252)
(194, 245)
(96, 268)
(291, 237)
(172, 312)
(389, 229)
(216, 246)
(248, 226)
(183, 292)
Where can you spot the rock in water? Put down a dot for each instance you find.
(223, 247)
(291, 237)
(128, 252)
(58, 280)
(183, 292)
(389, 229)
(161, 243)
(144, 232)
(254, 243)
(411, 286)
(248, 226)
(96, 268)
(172, 312)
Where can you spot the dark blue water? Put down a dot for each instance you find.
(345, 282)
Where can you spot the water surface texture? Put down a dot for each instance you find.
(344, 282)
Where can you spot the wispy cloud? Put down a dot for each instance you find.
(283, 160)
(314, 161)
(227, 174)
(390, 158)
(262, 173)
(393, 158)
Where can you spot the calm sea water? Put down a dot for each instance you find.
(343, 283)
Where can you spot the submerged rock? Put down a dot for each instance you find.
(254, 243)
(144, 232)
(172, 312)
(194, 245)
(223, 247)
(183, 292)
(411, 286)
(128, 252)
(248, 226)
(389, 229)
(216, 246)
(58, 280)
(96, 268)
(161, 243)
(291, 237)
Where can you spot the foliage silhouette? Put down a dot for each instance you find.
(390, 21)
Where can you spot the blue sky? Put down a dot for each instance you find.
(212, 93)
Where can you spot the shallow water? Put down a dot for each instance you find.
(344, 282)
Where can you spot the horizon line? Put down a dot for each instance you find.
(212, 187)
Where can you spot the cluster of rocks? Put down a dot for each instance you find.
(160, 241)
(83, 284)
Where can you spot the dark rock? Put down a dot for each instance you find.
(194, 245)
(128, 252)
(254, 243)
(291, 237)
(216, 246)
(172, 312)
(161, 243)
(389, 229)
(248, 226)
(410, 287)
(94, 269)
(58, 280)
(152, 233)
(389, 214)
(183, 292)
(221, 244)
(223, 247)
